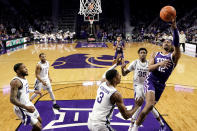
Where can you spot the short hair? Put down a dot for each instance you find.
(17, 66)
(142, 49)
(111, 74)
(41, 54)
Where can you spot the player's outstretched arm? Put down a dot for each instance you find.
(129, 69)
(176, 53)
(104, 75)
(112, 67)
(123, 70)
(118, 100)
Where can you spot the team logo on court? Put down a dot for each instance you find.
(73, 116)
(83, 61)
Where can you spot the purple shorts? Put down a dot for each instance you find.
(154, 85)
(116, 54)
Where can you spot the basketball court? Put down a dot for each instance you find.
(75, 85)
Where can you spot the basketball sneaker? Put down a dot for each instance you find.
(56, 106)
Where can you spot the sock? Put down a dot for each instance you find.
(33, 96)
(161, 122)
(135, 127)
(156, 115)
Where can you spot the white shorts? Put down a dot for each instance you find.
(138, 91)
(99, 126)
(25, 116)
(38, 85)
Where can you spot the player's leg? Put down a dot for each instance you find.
(157, 116)
(158, 93)
(139, 99)
(49, 89)
(114, 59)
(122, 56)
(150, 101)
(183, 44)
(39, 119)
(37, 126)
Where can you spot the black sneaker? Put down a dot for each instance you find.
(56, 106)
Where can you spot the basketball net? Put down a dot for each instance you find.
(91, 21)
(90, 7)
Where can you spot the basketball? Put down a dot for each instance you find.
(167, 13)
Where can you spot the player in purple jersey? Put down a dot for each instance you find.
(161, 65)
(119, 46)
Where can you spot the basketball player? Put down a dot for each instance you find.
(19, 97)
(106, 99)
(119, 46)
(140, 68)
(43, 79)
(161, 65)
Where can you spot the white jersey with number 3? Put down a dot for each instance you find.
(103, 108)
(44, 70)
(140, 71)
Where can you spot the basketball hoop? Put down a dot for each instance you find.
(90, 8)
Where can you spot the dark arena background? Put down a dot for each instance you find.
(77, 37)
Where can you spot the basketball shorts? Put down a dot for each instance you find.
(138, 91)
(99, 126)
(38, 85)
(116, 54)
(25, 116)
(155, 86)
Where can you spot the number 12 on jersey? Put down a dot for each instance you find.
(100, 98)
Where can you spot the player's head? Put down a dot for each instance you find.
(182, 32)
(20, 69)
(113, 77)
(167, 45)
(142, 53)
(119, 38)
(42, 57)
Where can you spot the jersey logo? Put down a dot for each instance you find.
(73, 116)
(83, 61)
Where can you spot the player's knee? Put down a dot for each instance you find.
(150, 106)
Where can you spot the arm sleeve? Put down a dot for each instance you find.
(175, 41)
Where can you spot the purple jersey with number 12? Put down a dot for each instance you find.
(162, 74)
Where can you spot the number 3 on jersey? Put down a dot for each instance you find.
(99, 99)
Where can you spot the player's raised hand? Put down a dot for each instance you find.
(173, 25)
(30, 109)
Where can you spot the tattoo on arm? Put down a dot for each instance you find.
(15, 85)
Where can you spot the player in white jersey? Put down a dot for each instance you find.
(43, 79)
(19, 97)
(106, 99)
(140, 68)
